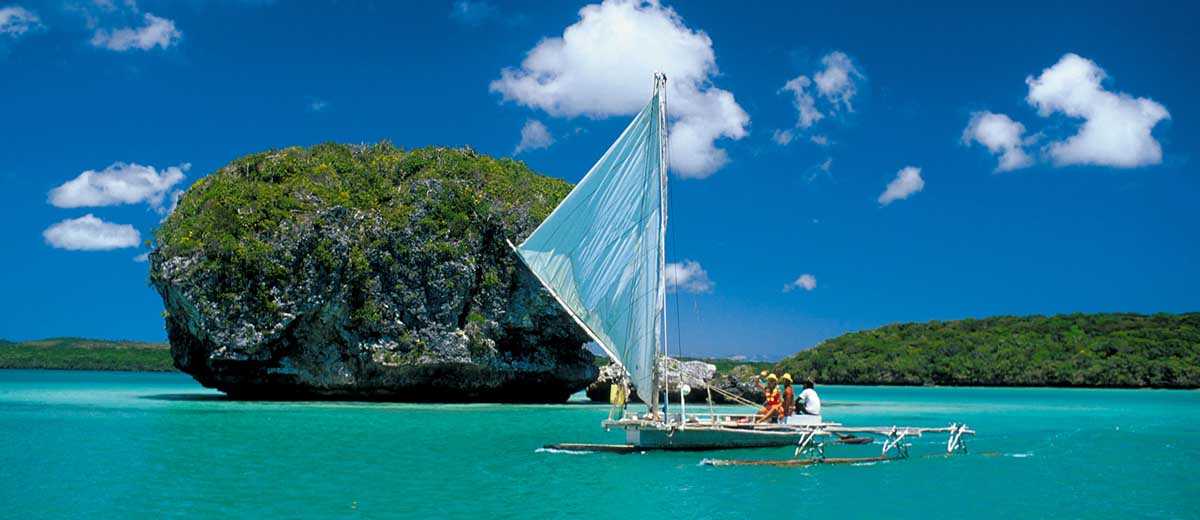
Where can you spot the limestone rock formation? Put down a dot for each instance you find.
(366, 272)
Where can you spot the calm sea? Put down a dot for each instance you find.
(130, 445)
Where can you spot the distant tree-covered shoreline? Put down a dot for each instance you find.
(1077, 350)
(86, 354)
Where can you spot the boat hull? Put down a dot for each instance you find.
(706, 438)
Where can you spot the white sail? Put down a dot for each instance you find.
(601, 251)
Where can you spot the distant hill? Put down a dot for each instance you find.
(1086, 350)
(86, 354)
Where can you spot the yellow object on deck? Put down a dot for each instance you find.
(616, 395)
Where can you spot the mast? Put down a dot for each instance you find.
(660, 87)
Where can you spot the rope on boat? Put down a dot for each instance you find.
(710, 401)
(735, 398)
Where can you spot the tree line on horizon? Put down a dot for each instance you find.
(1077, 350)
(86, 354)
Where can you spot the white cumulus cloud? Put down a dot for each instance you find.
(805, 104)
(534, 136)
(156, 32)
(88, 233)
(1000, 135)
(688, 276)
(1116, 130)
(907, 182)
(16, 20)
(120, 183)
(838, 81)
(603, 66)
(806, 281)
(835, 83)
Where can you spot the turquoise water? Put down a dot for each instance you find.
(129, 445)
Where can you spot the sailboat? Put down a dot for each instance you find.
(601, 254)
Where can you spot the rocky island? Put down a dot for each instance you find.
(366, 272)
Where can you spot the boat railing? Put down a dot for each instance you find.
(734, 420)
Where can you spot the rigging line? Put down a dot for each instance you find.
(671, 238)
(735, 398)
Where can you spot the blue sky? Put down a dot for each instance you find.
(1088, 111)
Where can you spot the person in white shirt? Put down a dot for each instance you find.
(807, 403)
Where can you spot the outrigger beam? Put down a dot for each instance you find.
(956, 444)
(804, 443)
(893, 442)
(894, 445)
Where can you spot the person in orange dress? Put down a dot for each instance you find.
(773, 408)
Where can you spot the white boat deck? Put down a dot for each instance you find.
(820, 426)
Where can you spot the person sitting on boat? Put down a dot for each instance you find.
(773, 408)
(789, 396)
(808, 403)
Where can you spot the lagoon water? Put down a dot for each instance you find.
(139, 445)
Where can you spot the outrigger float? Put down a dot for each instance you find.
(601, 254)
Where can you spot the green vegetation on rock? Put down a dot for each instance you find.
(233, 219)
(86, 354)
(1088, 350)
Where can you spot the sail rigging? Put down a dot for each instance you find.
(601, 252)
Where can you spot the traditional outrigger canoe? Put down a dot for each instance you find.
(601, 254)
(809, 434)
